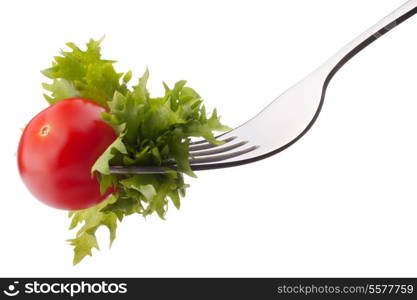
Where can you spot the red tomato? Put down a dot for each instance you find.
(57, 150)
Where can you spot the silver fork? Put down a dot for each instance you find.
(285, 120)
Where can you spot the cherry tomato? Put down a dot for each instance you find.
(57, 150)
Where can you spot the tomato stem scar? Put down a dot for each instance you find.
(45, 130)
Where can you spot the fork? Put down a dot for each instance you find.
(285, 120)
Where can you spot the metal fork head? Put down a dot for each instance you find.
(275, 128)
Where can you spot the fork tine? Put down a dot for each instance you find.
(198, 142)
(201, 145)
(138, 170)
(218, 149)
(198, 163)
(215, 158)
(204, 140)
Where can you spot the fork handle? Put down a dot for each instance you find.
(386, 24)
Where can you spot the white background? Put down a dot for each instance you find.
(340, 202)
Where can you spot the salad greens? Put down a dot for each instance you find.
(151, 131)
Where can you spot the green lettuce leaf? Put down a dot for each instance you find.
(84, 72)
(91, 219)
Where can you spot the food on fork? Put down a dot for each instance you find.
(97, 119)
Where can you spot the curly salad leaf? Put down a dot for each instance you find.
(151, 132)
